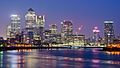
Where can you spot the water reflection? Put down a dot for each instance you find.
(113, 52)
(1, 58)
(58, 59)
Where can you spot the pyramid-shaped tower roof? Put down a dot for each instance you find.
(30, 9)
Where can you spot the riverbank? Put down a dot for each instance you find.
(111, 49)
(17, 48)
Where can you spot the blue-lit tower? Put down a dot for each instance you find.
(108, 32)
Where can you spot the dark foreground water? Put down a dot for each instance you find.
(82, 58)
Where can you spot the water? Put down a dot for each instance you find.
(67, 58)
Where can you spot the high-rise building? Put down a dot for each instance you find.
(14, 28)
(47, 35)
(8, 31)
(108, 32)
(66, 31)
(67, 28)
(96, 35)
(40, 21)
(30, 18)
(39, 29)
(53, 29)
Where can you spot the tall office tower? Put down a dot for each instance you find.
(66, 31)
(53, 29)
(96, 35)
(40, 21)
(8, 31)
(108, 32)
(67, 28)
(30, 18)
(14, 27)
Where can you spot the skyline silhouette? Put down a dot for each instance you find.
(88, 13)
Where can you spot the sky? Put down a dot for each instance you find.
(89, 13)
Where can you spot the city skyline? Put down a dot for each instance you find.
(79, 13)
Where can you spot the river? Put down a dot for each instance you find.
(59, 58)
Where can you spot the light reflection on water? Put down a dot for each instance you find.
(113, 52)
(58, 59)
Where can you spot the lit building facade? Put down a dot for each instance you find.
(14, 28)
(47, 35)
(40, 21)
(39, 29)
(66, 30)
(96, 36)
(78, 40)
(8, 31)
(30, 18)
(53, 29)
(108, 32)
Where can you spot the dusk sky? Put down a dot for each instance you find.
(88, 13)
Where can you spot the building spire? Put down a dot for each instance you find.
(30, 9)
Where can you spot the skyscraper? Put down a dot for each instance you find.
(96, 35)
(30, 18)
(39, 29)
(14, 28)
(108, 32)
(8, 31)
(66, 31)
(40, 21)
(67, 28)
(53, 29)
